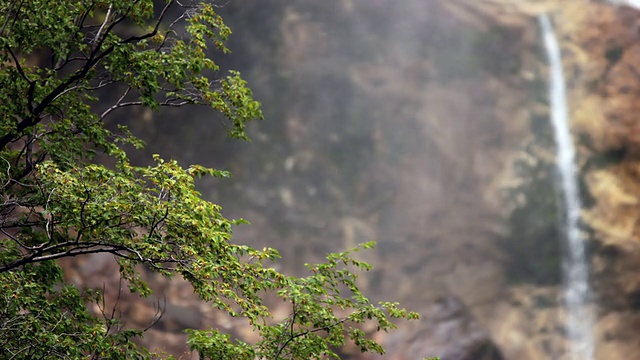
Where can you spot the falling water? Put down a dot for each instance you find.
(631, 3)
(577, 292)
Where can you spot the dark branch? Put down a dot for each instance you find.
(293, 336)
(85, 249)
(155, 28)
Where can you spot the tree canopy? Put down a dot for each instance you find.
(68, 67)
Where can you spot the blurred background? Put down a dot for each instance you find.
(423, 125)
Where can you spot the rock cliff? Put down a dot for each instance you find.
(425, 127)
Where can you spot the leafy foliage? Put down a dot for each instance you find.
(39, 320)
(56, 60)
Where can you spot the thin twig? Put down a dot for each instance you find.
(106, 19)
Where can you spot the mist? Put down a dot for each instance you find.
(421, 125)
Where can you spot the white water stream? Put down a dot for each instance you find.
(577, 292)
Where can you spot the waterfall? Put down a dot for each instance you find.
(631, 3)
(577, 292)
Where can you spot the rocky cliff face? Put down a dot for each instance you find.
(606, 88)
(599, 44)
(425, 127)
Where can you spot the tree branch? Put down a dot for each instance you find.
(84, 249)
(139, 103)
(306, 332)
(15, 18)
(155, 28)
(106, 20)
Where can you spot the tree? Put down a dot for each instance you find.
(68, 189)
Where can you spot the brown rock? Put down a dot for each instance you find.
(447, 330)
